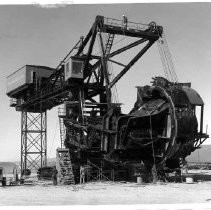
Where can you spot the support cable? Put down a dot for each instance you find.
(64, 59)
(170, 57)
(114, 88)
(162, 60)
(166, 65)
(166, 59)
(54, 136)
(153, 151)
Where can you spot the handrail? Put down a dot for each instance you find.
(132, 25)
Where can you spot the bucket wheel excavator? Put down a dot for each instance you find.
(160, 129)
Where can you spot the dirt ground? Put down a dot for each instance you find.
(106, 193)
(44, 193)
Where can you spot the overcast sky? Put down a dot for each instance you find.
(43, 36)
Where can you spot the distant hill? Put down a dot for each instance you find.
(201, 155)
(9, 166)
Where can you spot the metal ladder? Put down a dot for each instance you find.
(64, 167)
(109, 44)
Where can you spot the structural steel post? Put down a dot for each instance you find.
(33, 140)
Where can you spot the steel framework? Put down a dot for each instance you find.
(93, 126)
(33, 140)
(55, 90)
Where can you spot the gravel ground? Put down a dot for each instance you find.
(106, 193)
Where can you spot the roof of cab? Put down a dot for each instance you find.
(193, 96)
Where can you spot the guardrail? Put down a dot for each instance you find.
(125, 23)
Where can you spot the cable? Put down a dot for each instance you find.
(54, 136)
(166, 59)
(119, 41)
(114, 88)
(162, 60)
(63, 60)
(170, 57)
(153, 151)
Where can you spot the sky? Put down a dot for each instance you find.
(43, 36)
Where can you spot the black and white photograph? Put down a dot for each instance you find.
(105, 104)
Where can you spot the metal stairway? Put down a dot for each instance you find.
(62, 131)
(61, 115)
(64, 167)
